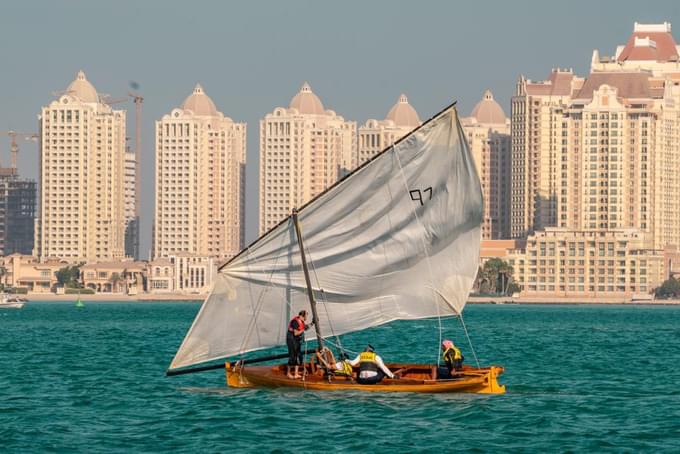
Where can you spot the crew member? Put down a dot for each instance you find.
(453, 359)
(371, 367)
(294, 340)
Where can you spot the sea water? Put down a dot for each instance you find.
(579, 378)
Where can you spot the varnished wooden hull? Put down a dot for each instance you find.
(415, 378)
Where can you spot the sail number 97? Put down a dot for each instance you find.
(418, 195)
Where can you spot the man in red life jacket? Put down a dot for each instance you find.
(294, 339)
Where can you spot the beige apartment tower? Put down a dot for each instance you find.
(602, 152)
(488, 134)
(200, 181)
(81, 215)
(376, 135)
(304, 149)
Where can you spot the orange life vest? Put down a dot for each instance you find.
(300, 324)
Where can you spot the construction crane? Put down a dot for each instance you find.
(14, 135)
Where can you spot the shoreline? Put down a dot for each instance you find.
(113, 297)
(557, 300)
(151, 298)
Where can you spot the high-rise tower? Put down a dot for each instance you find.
(81, 215)
(200, 181)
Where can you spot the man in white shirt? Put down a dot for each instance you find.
(371, 367)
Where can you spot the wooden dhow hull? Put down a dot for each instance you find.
(416, 378)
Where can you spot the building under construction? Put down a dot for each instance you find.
(17, 213)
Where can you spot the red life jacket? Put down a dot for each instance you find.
(301, 324)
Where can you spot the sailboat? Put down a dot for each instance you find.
(396, 239)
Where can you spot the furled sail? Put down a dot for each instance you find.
(397, 239)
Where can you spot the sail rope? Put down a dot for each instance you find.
(325, 306)
(258, 306)
(474, 354)
(427, 255)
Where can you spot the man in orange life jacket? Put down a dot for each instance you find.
(371, 367)
(294, 339)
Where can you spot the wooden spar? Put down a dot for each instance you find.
(170, 373)
(310, 292)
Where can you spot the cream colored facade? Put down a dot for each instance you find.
(200, 181)
(376, 135)
(124, 277)
(602, 153)
(193, 274)
(160, 276)
(81, 214)
(182, 273)
(488, 134)
(26, 271)
(537, 147)
(304, 150)
(564, 262)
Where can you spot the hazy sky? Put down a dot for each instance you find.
(252, 56)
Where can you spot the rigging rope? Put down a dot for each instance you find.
(258, 306)
(427, 255)
(474, 354)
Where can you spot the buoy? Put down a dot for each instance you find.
(79, 303)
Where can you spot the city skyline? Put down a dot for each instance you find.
(356, 73)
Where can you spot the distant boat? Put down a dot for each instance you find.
(11, 301)
(397, 239)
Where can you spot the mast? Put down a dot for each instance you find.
(310, 292)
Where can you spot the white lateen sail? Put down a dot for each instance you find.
(397, 239)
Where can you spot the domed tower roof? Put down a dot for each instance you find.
(306, 102)
(82, 89)
(200, 103)
(488, 111)
(403, 113)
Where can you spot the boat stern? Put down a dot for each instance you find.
(235, 379)
(491, 385)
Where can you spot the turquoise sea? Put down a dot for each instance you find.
(579, 379)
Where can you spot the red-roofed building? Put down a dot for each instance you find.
(651, 47)
(603, 152)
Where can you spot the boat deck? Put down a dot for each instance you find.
(412, 378)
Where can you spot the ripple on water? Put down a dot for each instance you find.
(579, 379)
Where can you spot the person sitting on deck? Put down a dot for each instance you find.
(340, 368)
(371, 367)
(453, 359)
(294, 340)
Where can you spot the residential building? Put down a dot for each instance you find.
(81, 211)
(536, 132)
(121, 276)
(193, 274)
(376, 135)
(161, 276)
(182, 273)
(602, 153)
(570, 263)
(200, 181)
(17, 213)
(131, 219)
(304, 149)
(28, 272)
(488, 134)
